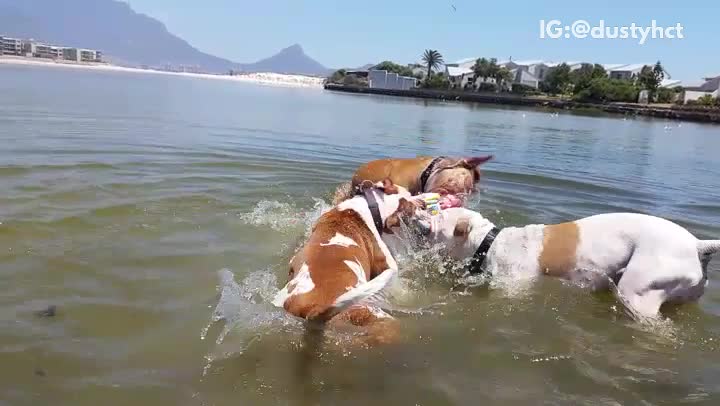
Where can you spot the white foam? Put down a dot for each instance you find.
(285, 217)
(244, 309)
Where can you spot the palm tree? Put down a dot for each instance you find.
(433, 60)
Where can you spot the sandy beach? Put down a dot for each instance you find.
(264, 78)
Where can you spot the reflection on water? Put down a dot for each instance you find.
(155, 212)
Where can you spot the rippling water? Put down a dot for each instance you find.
(158, 215)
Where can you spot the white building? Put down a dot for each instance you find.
(10, 46)
(626, 72)
(460, 77)
(538, 69)
(90, 55)
(377, 78)
(711, 86)
(523, 77)
(380, 79)
(670, 83)
(32, 48)
(467, 63)
(48, 51)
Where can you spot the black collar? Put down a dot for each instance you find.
(374, 210)
(477, 261)
(427, 172)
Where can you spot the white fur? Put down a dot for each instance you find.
(302, 283)
(357, 270)
(370, 293)
(341, 240)
(657, 261)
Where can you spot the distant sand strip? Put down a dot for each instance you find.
(274, 79)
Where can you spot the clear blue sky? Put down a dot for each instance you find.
(352, 33)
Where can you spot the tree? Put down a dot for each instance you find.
(487, 87)
(599, 71)
(581, 77)
(433, 60)
(604, 89)
(483, 69)
(665, 95)
(438, 81)
(502, 75)
(706, 100)
(352, 80)
(337, 77)
(651, 77)
(519, 88)
(395, 68)
(558, 80)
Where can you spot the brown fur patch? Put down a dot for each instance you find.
(402, 172)
(559, 252)
(389, 187)
(326, 263)
(462, 227)
(377, 330)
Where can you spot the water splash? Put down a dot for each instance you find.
(243, 304)
(285, 217)
(244, 308)
(659, 330)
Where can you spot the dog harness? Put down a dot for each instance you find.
(373, 206)
(477, 261)
(425, 175)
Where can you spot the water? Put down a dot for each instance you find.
(158, 214)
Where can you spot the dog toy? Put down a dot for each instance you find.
(432, 203)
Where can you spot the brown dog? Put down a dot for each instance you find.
(443, 175)
(345, 262)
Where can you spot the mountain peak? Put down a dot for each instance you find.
(297, 48)
(132, 38)
(289, 60)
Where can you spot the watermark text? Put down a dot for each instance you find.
(581, 29)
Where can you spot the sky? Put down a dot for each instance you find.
(354, 33)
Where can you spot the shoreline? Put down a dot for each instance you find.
(263, 78)
(694, 114)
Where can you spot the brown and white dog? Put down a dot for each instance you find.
(652, 260)
(345, 265)
(451, 177)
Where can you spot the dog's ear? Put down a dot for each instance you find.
(462, 228)
(389, 187)
(475, 161)
(405, 208)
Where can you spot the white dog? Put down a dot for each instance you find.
(652, 260)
